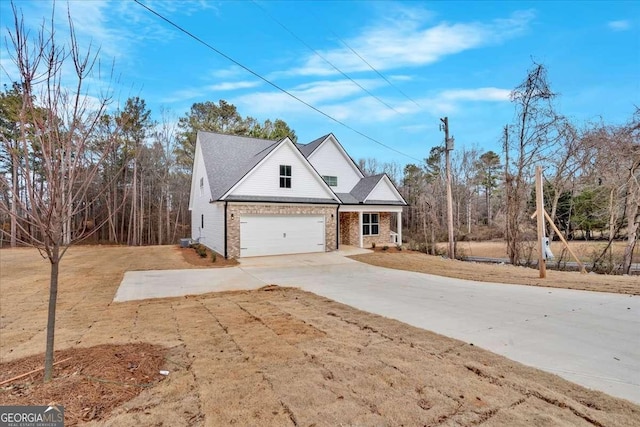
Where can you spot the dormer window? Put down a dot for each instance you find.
(332, 181)
(285, 176)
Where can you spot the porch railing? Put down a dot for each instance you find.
(394, 237)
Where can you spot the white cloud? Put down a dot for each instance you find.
(227, 73)
(621, 25)
(196, 92)
(345, 101)
(233, 85)
(367, 110)
(182, 95)
(450, 101)
(315, 93)
(400, 77)
(479, 94)
(183, 7)
(405, 42)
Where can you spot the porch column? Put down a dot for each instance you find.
(399, 226)
(360, 228)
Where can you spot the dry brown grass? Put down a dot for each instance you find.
(586, 251)
(416, 261)
(282, 356)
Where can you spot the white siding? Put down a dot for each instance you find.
(383, 191)
(264, 180)
(212, 234)
(329, 160)
(198, 167)
(214, 227)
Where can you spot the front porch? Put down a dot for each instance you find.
(366, 226)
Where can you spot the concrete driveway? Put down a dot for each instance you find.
(589, 338)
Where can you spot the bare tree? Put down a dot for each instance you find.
(56, 121)
(631, 140)
(565, 165)
(488, 170)
(369, 166)
(531, 140)
(613, 173)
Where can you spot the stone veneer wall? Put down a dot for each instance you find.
(237, 210)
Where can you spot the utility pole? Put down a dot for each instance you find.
(507, 193)
(448, 148)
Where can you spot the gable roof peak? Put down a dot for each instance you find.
(307, 149)
(228, 158)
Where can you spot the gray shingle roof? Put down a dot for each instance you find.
(307, 149)
(362, 190)
(230, 157)
(384, 202)
(347, 199)
(275, 199)
(365, 186)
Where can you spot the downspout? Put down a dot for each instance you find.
(361, 239)
(225, 229)
(337, 227)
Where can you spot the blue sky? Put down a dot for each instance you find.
(455, 59)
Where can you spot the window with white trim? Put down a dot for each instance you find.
(370, 224)
(285, 176)
(331, 181)
(202, 186)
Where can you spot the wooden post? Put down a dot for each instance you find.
(566, 244)
(542, 262)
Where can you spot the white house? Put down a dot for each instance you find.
(253, 197)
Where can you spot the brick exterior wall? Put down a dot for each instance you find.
(383, 237)
(350, 230)
(349, 225)
(237, 210)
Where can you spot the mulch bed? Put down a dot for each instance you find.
(90, 384)
(391, 249)
(190, 256)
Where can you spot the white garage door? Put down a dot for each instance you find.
(280, 234)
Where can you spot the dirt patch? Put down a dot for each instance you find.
(498, 273)
(281, 356)
(89, 382)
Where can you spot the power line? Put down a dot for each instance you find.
(199, 40)
(322, 57)
(376, 71)
(372, 67)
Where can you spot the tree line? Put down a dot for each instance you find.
(141, 194)
(591, 187)
(135, 176)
